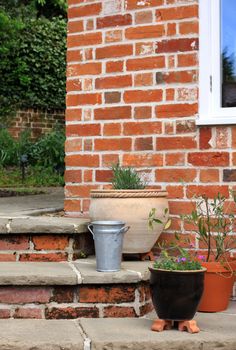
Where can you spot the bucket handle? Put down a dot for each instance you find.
(122, 230)
(89, 228)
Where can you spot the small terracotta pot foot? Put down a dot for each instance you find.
(161, 325)
(145, 256)
(189, 326)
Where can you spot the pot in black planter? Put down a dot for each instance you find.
(176, 285)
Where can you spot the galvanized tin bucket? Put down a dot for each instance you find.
(108, 239)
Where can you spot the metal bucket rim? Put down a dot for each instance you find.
(107, 222)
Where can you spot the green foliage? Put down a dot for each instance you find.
(126, 178)
(36, 176)
(47, 152)
(182, 262)
(32, 60)
(213, 224)
(153, 219)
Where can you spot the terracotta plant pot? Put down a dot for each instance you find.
(218, 287)
(176, 294)
(132, 207)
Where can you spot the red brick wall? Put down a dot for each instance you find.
(37, 121)
(133, 97)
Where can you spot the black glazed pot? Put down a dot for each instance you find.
(176, 294)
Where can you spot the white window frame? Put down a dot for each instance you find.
(210, 110)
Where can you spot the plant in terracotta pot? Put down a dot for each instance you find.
(213, 225)
(176, 285)
(130, 201)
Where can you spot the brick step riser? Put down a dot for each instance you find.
(45, 247)
(70, 302)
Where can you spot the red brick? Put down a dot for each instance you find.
(179, 77)
(73, 85)
(187, 60)
(44, 257)
(93, 68)
(48, 242)
(167, 143)
(145, 309)
(222, 137)
(83, 130)
(112, 36)
(144, 292)
(88, 39)
(205, 137)
(75, 26)
(85, 10)
(143, 17)
(137, 4)
(117, 81)
(175, 191)
(7, 257)
(209, 191)
(175, 159)
(21, 312)
(143, 79)
(83, 99)
(141, 160)
(170, 94)
(73, 114)
(111, 129)
(5, 313)
(177, 13)
(103, 175)
(143, 144)
(71, 312)
(73, 145)
(74, 55)
(140, 96)
(113, 21)
(188, 27)
(175, 175)
(112, 97)
(72, 205)
(145, 48)
(209, 159)
(185, 126)
(73, 176)
(142, 112)
(109, 159)
(209, 175)
(23, 295)
(176, 110)
(83, 160)
(142, 128)
(177, 45)
(119, 311)
(14, 242)
(181, 207)
(110, 294)
(116, 66)
(233, 130)
(121, 144)
(82, 191)
(109, 113)
(171, 29)
(145, 63)
(63, 294)
(88, 175)
(145, 32)
(114, 51)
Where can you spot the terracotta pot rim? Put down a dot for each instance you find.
(221, 267)
(128, 193)
(178, 271)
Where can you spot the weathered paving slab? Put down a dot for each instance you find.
(42, 224)
(40, 335)
(37, 273)
(217, 332)
(131, 272)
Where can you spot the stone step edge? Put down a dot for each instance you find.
(89, 334)
(42, 224)
(81, 271)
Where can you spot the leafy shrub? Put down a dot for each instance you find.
(32, 63)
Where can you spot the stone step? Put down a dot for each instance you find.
(68, 290)
(217, 332)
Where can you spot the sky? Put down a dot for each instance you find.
(228, 26)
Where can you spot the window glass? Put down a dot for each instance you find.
(228, 53)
